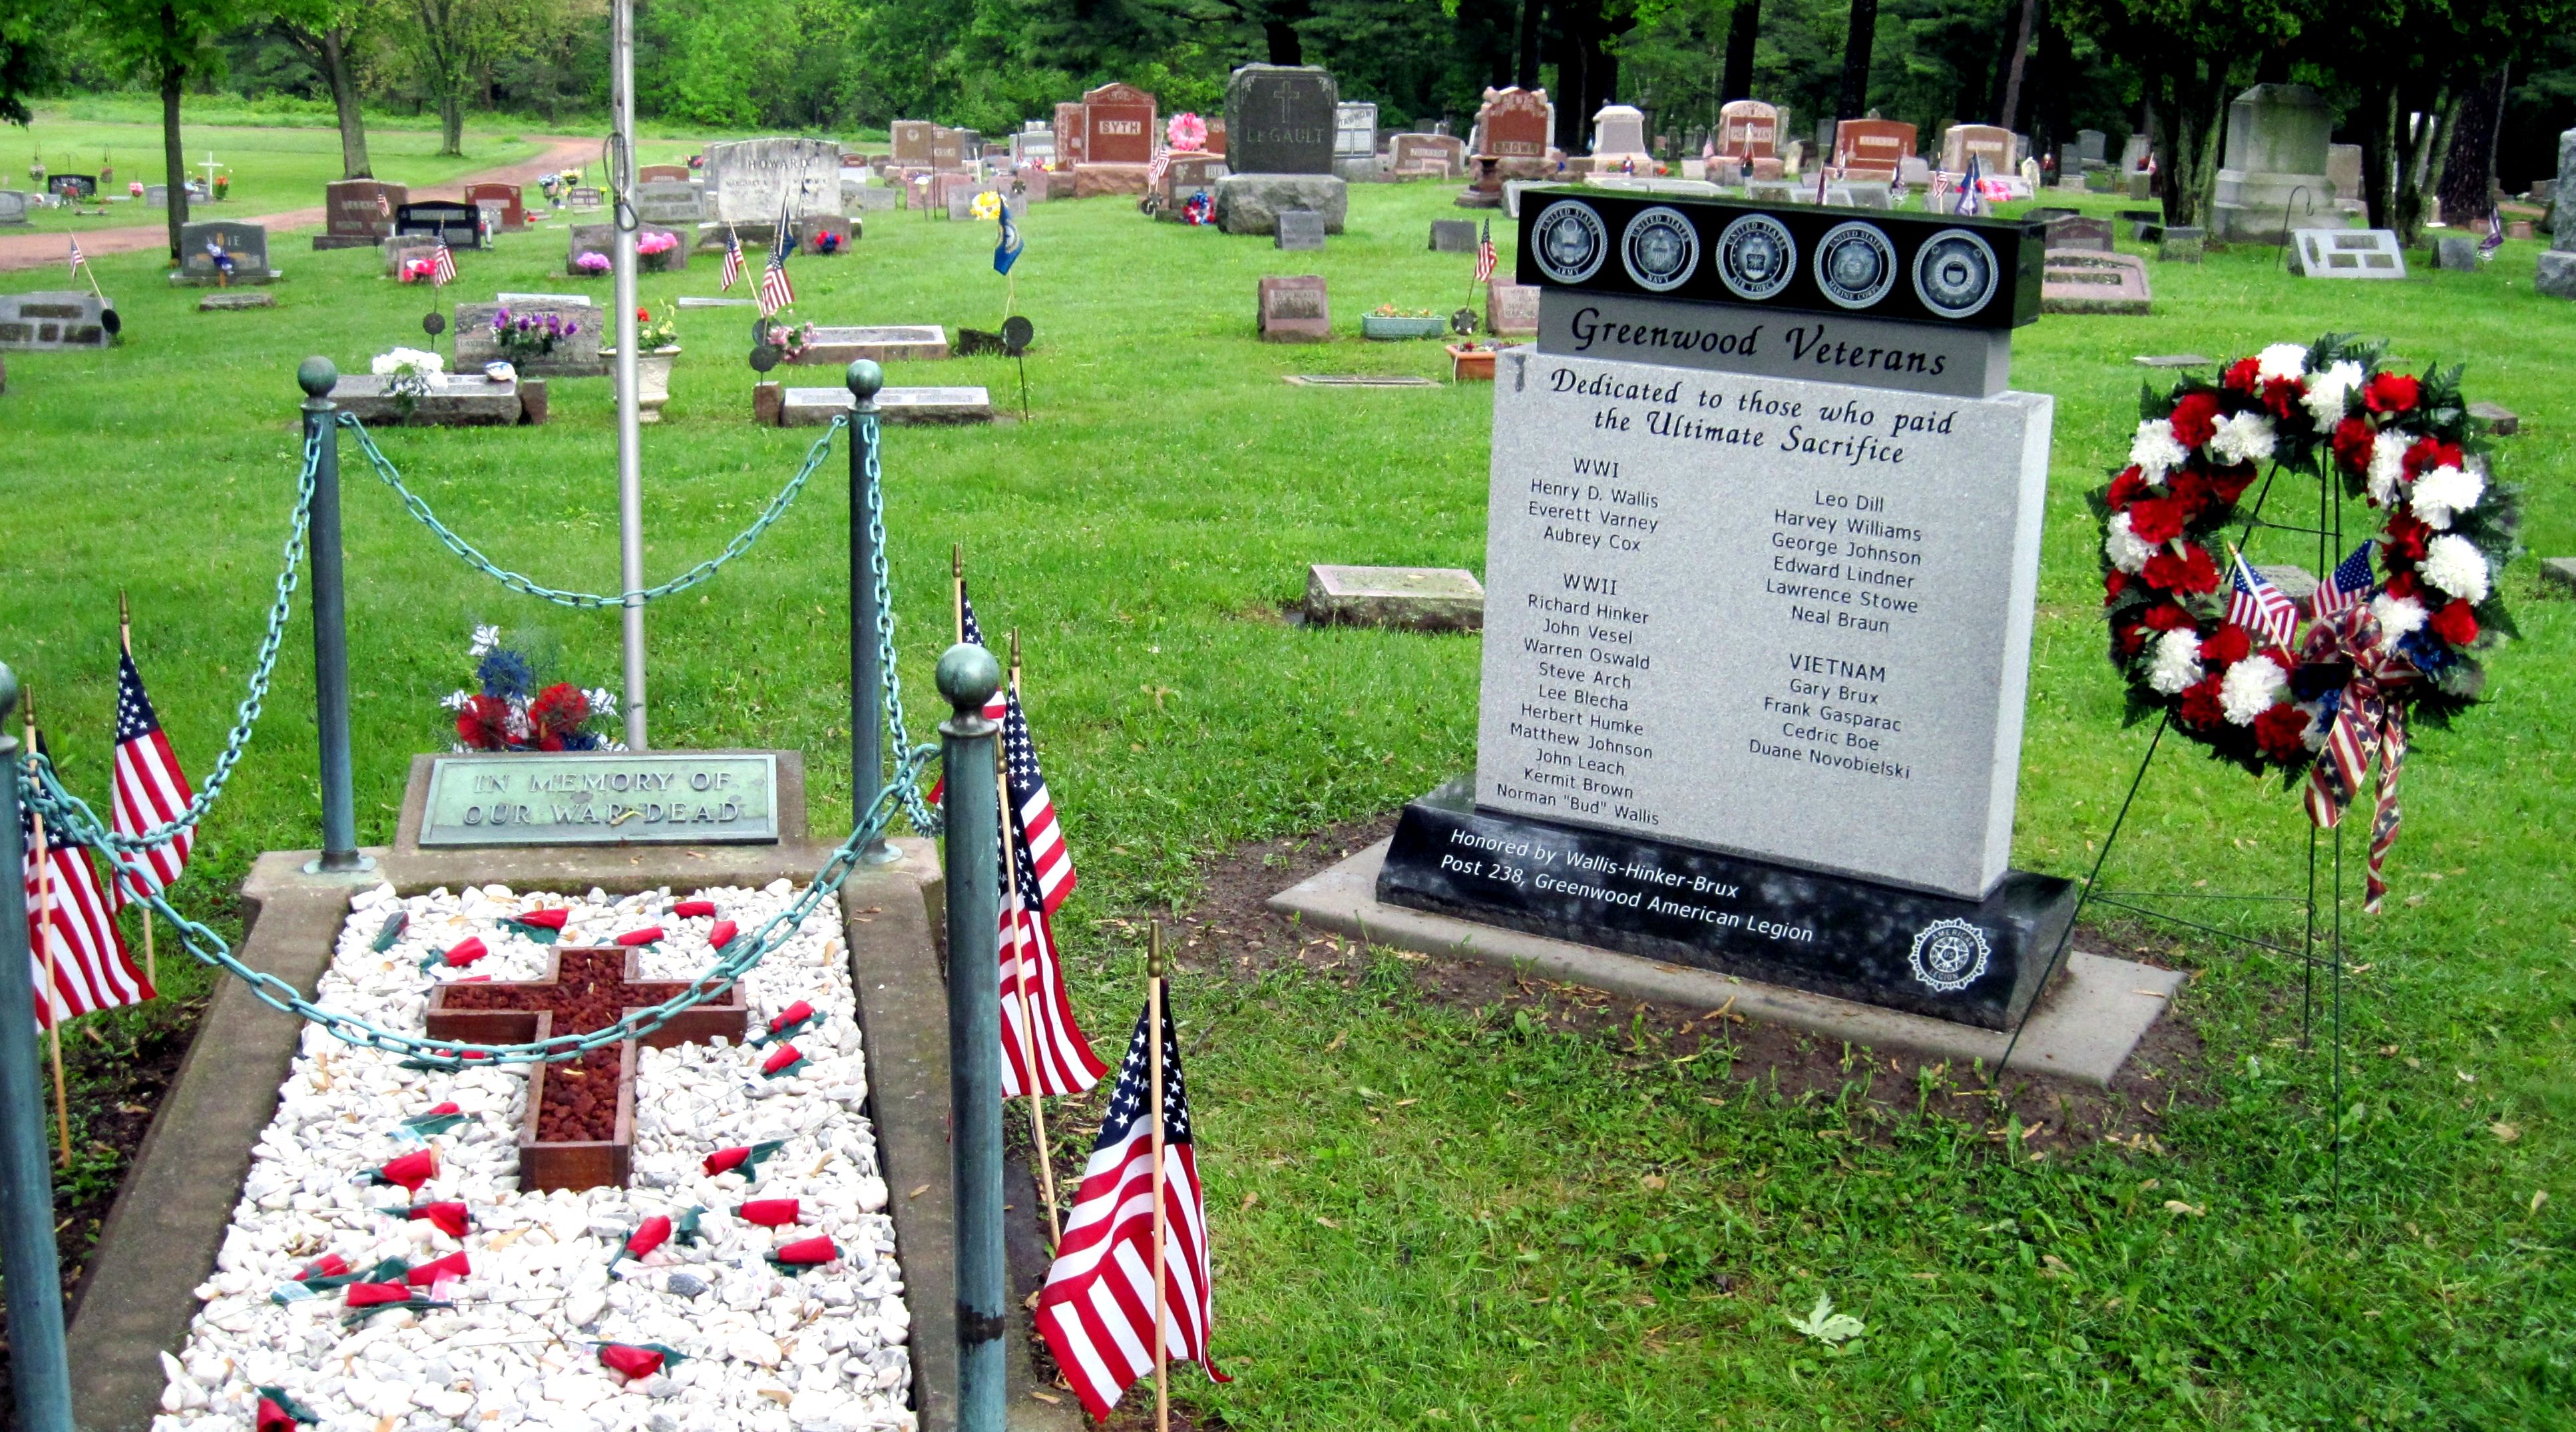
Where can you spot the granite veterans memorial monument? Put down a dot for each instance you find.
(1762, 553)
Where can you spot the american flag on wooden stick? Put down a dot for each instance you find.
(77, 260)
(442, 265)
(150, 790)
(2347, 586)
(67, 915)
(1485, 254)
(1097, 1311)
(2256, 605)
(775, 291)
(732, 259)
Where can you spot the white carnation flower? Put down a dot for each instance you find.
(417, 360)
(455, 700)
(2330, 392)
(2250, 688)
(2454, 564)
(603, 702)
(2156, 450)
(2241, 437)
(2387, 467)
(2398, 617)
(2445, 492)
(2177, 662)
(485, 638)
(2126, 551)
(2282, 360)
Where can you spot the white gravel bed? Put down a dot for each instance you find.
(821, 1351)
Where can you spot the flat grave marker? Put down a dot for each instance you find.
(2079, 281)
(2348, 253)
(574, 356)
(1408, 598)
(1300, 229)
(2078, 231)
(47, 321)
(883, 343)
(814, 407)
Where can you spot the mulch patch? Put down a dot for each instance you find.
(1231, 931)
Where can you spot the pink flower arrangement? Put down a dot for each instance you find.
(656, 241)
(416, 271)
(1186, 132)
(591, 263)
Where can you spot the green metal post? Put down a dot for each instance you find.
(968, 677)
(39, 1366)
(330, 626)
(867, 660)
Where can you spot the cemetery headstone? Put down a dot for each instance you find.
(2455, 255)
(1453, 236)
(1619, 137)
(1301, 229)
(2090, 146)
(1836, 814)
(885, 343)
(1437, 155)
(1295, 310)
(1355, 140)
(459, 225)
(748, 181)
(514, 214)
(1280, 119)
(2343, 170)
(2556, 274)
(2348, 253)
(2180, 244)
(233, 300)
(2082, 281)
(816, 407)
(585, 197)
(13, 207)
(912, 140)
(1511, 309)
(244, 244)
(670, 201)
(156, 196)
(1872, 147)
(1995, 148)
(51, 320)
(1069, 135)
(2277, 137)
(2079, 231)
(1404, 598)
(601, 239)
(1119, 125)
(1514, 126)
(359, 213)
(947, 150)
(651, 173)
(456, 400)
(575, 355)
(1747, 129)
(1184, 175)
(73, 186)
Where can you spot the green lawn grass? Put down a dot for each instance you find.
(272, 169)
(1492, 1255)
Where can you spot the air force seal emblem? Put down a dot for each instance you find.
(1949, 955)
(1572, 241)
(1756, 257)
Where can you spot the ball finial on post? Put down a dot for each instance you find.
(968, 677)
(8, 694)
(866, 380)
(317, 377)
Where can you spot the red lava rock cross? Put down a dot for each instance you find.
(580, 1125)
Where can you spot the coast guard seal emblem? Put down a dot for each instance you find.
(1659, 249)
(1949, 955)
(1756, 257)
(1572, 241)
(1954, 273)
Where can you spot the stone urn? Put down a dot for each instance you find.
(652, 379)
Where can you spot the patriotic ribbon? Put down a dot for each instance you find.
(2369, 721)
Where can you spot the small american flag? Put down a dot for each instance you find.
(1161, 165)
(1485, 254)
(732, 259)
(442, 265)
(2261, 608)
(2347, 586)
(1968, 189)
(77, 260)
(1097, 1311)
(2493, 243)
(67, 913)
(775, 291)
(150, 790)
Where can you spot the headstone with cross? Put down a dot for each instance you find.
(579, 1129)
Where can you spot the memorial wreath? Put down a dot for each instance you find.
(2394, 634)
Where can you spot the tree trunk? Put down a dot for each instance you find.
(2467, 189)
(1525, 75)
(1742, 30)
(344, 98)
(1853, 99)
(174, 156)
(2378, 154)
(2010, 114)
(451, 124)
(2422, 172)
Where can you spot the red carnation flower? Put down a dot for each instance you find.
(2402, 585)
(2156, 521)
(2132, 636)
(2200, 705)
(2193, 571)
(2455, 623)
(2282, 395)
(2192, 491)
(2230, 482)
(2195, 418)
(484, 723)
(2114, 582)
(2426, 454)
(2406, 536)
(2166, 616)
(2282, 731)
(2241, 375)
(2390, 393)
(556, 714)
(2227, 646)
(2352, 442)
(2126, 488)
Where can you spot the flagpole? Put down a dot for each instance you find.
(52, 992)
(957, 587)
(125, 640)
(630, 462)
(1154, 1046)
(1019, 972)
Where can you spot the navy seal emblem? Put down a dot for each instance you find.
(1855, 264)
(1954, 273)
(1949, 955)
(1572, 241)
(1756, 257)
(1659, 249)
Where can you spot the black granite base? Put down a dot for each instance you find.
(1976, 962)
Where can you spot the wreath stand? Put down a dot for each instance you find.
(2329, 533)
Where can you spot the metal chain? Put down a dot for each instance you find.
(46, 791)
(924, 819)
(741, 543)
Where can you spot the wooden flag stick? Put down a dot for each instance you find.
(957, 587)
(1154, 1046)
(125, 638)
(50, 994)
(1020, 972)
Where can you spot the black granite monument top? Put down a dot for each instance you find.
(1279, 119)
